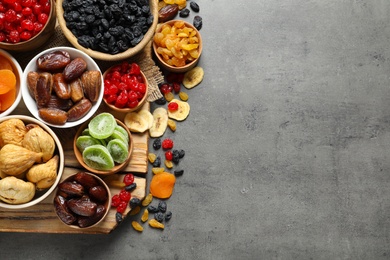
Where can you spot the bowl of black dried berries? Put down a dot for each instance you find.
(29, 24)
(108, 30)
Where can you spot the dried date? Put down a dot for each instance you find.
(62, 210)
(56, 102)
(167, 13)
(89, 221)
(98, 193)
(86, 180)
(74, 69)
(53, 116)
(61, 87)
(72, 189)
(79, 110)
(83, 206)
(43, 89)
(76, 90)
(53, 61)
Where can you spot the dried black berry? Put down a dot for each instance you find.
(168, 216)
(152, 209)
(161, 101)
(134, 202)
(175, 156)
(178, 172)
(118, 217)
(197, 22)
(157, 143)
(131, 187)
(162, 206)
(181, 153)
(184, 12)
(159, 217)
(194, 6)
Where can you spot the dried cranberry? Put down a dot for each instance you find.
(168, 155)
(173, 106)
(128, 179)
(115, 200)
(167, 144)
(124, 195)
(121, 207)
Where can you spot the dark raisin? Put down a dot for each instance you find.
(161, 101)
(194, 6)
(157, 162)
(184, 12)
(162, 206)
(178, 172)
(197, 22)
(118, 217)
(159, 216)
(175, 156)
(157, 143)
(134, 202)
(131, 187)
(181, 153)
(168, 216)
(152, 209)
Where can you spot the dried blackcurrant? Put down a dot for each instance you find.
(118, 217)
(157, 162)
(184, 12)
(162, 206)
(181, 153)
(194, 6)
(168, 216)
(152, 209)
(157, 143)
(159, 216)
(175, 156)
(134, 202)
(131, 187)
(197, 22)
(161, 101)
(178, 172)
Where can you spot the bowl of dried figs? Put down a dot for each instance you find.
(103, 145)
(82, 200)
(10, 80)
(27, 25)
(125, 87)
(177, 46)
(114, 31)
(62, 87)
(31, 161)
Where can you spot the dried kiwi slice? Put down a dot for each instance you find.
(123, 131)
(120, 136)
(98, 157)
(102, 125)
(118, 150)
(84, 141)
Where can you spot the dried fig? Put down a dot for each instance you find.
(12, 131)
(38, 140)
(43, 174)
(15, 159)
(16, 191)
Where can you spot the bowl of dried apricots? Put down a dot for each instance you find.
(10, 78)
(177, 45)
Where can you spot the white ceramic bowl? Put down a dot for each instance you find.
(39, 195)
(32, 66)
(18, 73)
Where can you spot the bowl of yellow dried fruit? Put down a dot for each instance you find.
(31, 161)
(10, 78)
(177, 45)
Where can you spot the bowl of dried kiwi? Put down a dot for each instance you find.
(108, 31)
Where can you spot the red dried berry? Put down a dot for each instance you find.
(124, 195)
(169, 155)
(173, 106)
(167, 144)
(121, 207)
(128, 179)
(115, 200)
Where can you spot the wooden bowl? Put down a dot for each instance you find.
(106, 203)
(117, 167)
(141, 102)
(173, 68)
(42, 194)
(106, 56)
(38, 40)
(18, 73)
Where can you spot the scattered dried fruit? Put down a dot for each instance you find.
(155, 224)
(161, 185)
(137, 226)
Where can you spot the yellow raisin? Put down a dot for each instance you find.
(157, 170)
(116, 184)
(155, 224)
(168, 164)
(137, 226)
(148, 199)
(183, 96)
(172, 125)
(135, 211)
(152, 157)
(145, 215)
(169, 96)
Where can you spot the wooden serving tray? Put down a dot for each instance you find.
(42, 218)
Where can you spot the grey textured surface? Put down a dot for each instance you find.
(286, 144)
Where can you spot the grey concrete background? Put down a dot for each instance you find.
(287, 142)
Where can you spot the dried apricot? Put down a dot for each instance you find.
(7, 99)
(5, 64)
(162, 184)
(7, 81)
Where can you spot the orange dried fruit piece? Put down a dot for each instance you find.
(7, 81)
(5, 64)
(162, 184)
(7, 99)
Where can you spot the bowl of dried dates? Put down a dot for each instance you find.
(125, 87)
(31, 161)
(62, 87)
(108, 30)
(10, 80)
(177, 46)
(82, 200)
(27, 24)
(103, 145)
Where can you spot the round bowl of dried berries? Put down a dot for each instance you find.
(82, 200)
(26, 25)
(103, 145)
(62, 87)
(125, 87)
(108, 30)
(177, 45)
(10, 80)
